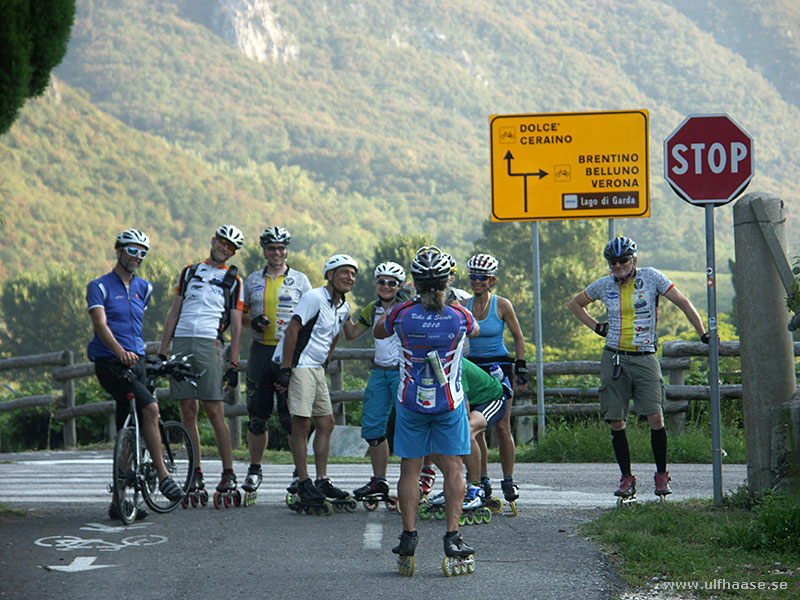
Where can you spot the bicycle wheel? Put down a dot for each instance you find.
(125, 494)
(178, 451)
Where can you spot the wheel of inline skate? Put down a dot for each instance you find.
(439, 512)
(350, 506)
(327, 508)
(370, 504)
(391, 504)
(469, 518)
(513, 505)
(217, 500)
(487, 515)
(185, 503)
(227, 500)
(290, 500)
(203, 498)
(470, 564)
(447, 568)
(424, 512)
(496, 505)
(237, 498)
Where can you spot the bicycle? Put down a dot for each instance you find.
(133, 470)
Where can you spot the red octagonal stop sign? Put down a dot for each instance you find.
(708, 159)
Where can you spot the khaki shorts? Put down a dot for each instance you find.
(308, 393)
(640, 379)
(204, 355)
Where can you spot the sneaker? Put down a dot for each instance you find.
(510, 489)
(308, 492)
(472, 497)
(426, 480)
(373, 486)
(662, 483)
(627, 487)
(170, 489)
(113, 513)
(325, 486)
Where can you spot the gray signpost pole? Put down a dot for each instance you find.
(537, 299)
(713, 356)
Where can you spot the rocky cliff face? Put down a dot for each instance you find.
(252, 27)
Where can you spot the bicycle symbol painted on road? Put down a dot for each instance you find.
(72, 542)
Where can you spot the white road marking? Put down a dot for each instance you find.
(79, 563)
(373, 535)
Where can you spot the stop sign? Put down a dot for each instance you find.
(708, 159)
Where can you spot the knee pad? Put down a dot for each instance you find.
(376, 441)
(257, 425)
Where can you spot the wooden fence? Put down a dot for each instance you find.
(674, 362)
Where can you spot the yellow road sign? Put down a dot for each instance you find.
(570, 166)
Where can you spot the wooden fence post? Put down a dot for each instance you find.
(70, 432)
(336, 371)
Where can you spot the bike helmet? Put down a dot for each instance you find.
(232, 234)
(275, 235)
(338, 260)
(132, 236)
(619, 247)
(483, 264)
(430, 268)
(392, 269)
(451, 261)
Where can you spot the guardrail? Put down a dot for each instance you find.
(675, 362)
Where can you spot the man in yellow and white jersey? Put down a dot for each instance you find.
(629, 366)
(270, 297)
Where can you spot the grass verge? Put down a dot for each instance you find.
(720, 551)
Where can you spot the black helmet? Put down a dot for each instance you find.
(619, 247)
(275, 235)
(430, 268)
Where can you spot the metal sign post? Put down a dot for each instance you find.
(713, 357)
(537, 299)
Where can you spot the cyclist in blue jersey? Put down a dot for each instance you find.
(494, 313)
(116, 303)
(431, 415)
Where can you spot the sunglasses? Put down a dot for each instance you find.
(387, 282)
(476, 277)
(280, 249)
(135, 252)
(619, 261)
(228, 244)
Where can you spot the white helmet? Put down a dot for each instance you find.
(452, 261)
(275, 235)
(132, 236)
(392, 269)
(232, 234)
(338, 260)
(483, 264)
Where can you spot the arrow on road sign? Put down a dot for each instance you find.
(540, 173)
(79, 563)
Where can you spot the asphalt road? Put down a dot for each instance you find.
(66, 547)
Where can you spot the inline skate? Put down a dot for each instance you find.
(511, 493)
(251, 484)
(432, 507)
(227, 494)
(197, 494)
(308, 499)
(626, 492)
(340, 499)
(459, 559)
(474, 510)
(427, 478)
(405, 552)
(662, 489)
(374, 492)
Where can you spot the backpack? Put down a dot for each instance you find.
(227, 284)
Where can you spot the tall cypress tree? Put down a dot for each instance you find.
(33, 39)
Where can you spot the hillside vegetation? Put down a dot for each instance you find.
(371, 120)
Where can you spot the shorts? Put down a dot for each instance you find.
(109, 373)
(379, 398)
(308, 393)
(261, 375)
(504, 362)
(418, 434)
(640, 379)
(204, 355)
(493, 411)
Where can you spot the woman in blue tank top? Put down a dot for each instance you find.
(495, 313)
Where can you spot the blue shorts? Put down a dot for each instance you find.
(379, 398)
(418, 434)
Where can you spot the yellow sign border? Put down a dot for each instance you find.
(643, 190)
